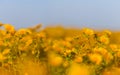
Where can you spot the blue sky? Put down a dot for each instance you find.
(100, 14)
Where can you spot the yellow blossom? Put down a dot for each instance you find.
(88, 31)
(100, 50)
(9, 28)
(28, 42)
(68, 39)
(23, 31)
(78, 59)
(66, 64)
(79, 69)
(2, 57)
(118, 54)
(114, 47)
(107, 32)
(41, 34)
(1, 43)
(67, 44)
(95, 58)
(108, 57)
(56, 47)
(104, 39)
(54, 59)
(6, 51)
(2, 32)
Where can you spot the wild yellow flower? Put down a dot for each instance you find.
(108, 57)
(114, 47)
(56, 47)
(23, 47)
(88, 31)
(79, 69)
(104, 39)
(78, 59)
(2, 57)
(100, 50)
(6, 51)
(107, 32)
(2, 32)
(66, 43)
(29, 42)
(68, 39)
(1, 43)
(111, 71)
(95, 58)
(23, 31)
(118, 54)
(54, 59)
(9, 28)
(27, 39)
(66, 64)
(41, 34)
(68, 51)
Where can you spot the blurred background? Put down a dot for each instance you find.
(96, 14)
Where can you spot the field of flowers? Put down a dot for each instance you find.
(58, 51)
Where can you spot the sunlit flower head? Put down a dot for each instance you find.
(6, 51)
(100, 50)
(114, 47)
(88, 31)
(107, 32)
(23, 31)
(79, 69)
(95, 58)
(108, 57)
(104, 39)
(54, 59)
(78, 59)
(9, 28)
(2, 57)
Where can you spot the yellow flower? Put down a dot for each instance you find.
(95, 58)
(29, 42)
(111, 71)
(114, 47)
(2, 32)
(78, 59)
(9, 28)
(56, 46)
(68, 51)
(104, 39)
(6, 51)
(88, 31)
(107, 32)
(79, 69)
(41, 35)
(54, 59)
(108, 57)
(23, 31)
(1, 43)
(118, 54)
(100, 50)
(22, 47)
(2, 57)
(66, 43)
(68, 39)
(65, 64)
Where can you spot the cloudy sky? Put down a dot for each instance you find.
(100, 14)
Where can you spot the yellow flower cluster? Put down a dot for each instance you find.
(57, 51)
